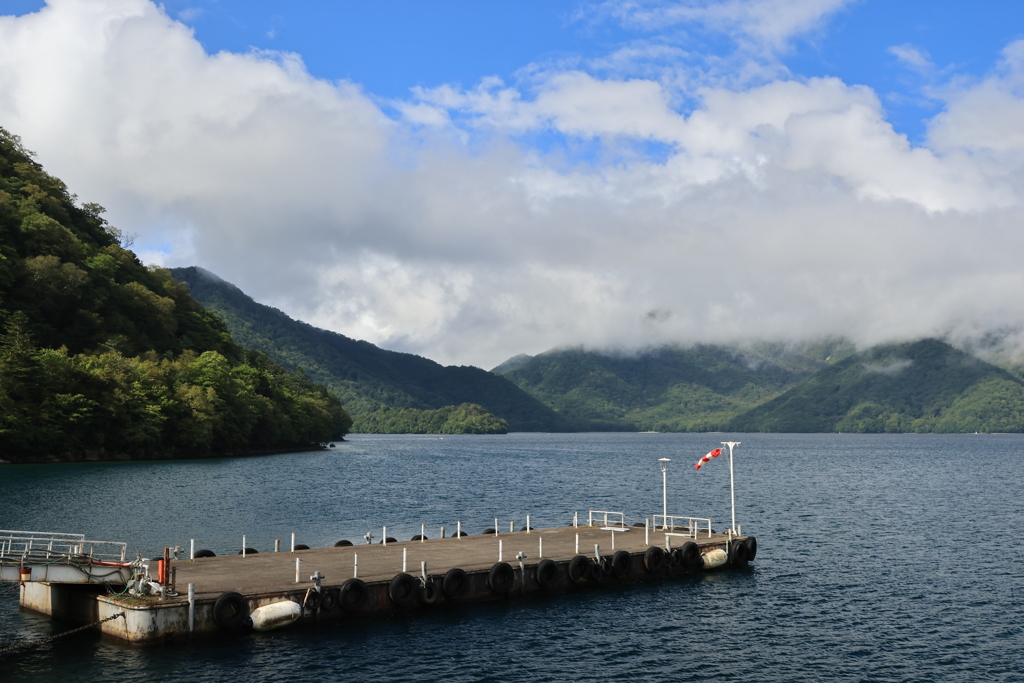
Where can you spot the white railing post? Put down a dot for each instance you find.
(243, 547)
(297, 561)
(496, 529)
(355, 565)
(647, 531)
(405, 552)
(458, 530)
(191, 549)
(501, 550)
(293, 541)
(540, 548)
(191, 607)
(423, 532)
(527, 523)
(577, 544)
(384, 537)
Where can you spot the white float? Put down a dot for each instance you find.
(275, 615)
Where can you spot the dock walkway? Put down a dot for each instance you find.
(272, 572)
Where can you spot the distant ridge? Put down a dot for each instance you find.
(923, 386)
(671, 388)
(826, 386)
(382, 390)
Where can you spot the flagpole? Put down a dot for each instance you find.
(732, 481)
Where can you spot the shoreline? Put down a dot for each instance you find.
(104, 456)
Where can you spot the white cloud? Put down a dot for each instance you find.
(767, 24)
(775, 207)
(985, 118)
(911, 56)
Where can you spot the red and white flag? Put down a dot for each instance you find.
(707, 458)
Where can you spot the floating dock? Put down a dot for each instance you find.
(152, 602)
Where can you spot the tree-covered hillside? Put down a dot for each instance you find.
(924, 386)
(671, 388)
(371, 381)
(101, 357)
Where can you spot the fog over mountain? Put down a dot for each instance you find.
(646, 195)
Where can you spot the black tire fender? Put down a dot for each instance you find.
(455, 583)
(353, 595)
(389, 540)
(459, 533)
(205, 553)
(501, 578)
(403, 589)
(620, 564)
(751, 543)
(580, 569)
(654, 558)
(329, 600)
(249, 551)
(419, 537)
(302, 546)
(547, 571)
(738, 552)
(230, 610)
(312, 601)
(430, 593)
(342, 544)
(690, 553)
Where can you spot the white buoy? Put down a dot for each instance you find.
(275, 615)
(714, 558)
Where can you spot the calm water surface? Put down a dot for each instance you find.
(881, 558)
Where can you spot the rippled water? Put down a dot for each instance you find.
(881, 558)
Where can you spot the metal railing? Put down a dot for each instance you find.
(36, 546)
(680, 525)
(607, 518)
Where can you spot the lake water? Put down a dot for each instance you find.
(881, 558)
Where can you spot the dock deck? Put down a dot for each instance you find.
(275, 572)
(244, 584)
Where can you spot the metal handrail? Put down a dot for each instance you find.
(615, 519)
(22, 546)
(692, 525)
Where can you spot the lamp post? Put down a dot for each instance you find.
(732, 482)
(664, 490)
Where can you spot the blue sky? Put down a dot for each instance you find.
(471, 180)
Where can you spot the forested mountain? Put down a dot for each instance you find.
(101, 357)
(385, 391)
(924, 386)
(671, 388)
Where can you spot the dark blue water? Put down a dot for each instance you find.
(881, 558)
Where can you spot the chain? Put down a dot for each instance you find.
(40, 641)
(10, 589)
